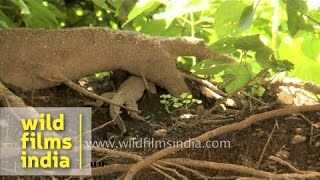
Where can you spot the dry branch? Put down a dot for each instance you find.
(219, 131)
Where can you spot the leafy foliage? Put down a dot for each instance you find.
(263, 36)
(185, 100)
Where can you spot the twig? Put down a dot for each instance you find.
(217, 104)
(219, 131)
(171, 170)
(206, 84)
(216, 121)
(285, 163)
(197, 173)
(241, 169)
(266, 145)
(118, 153)
(102, 126)
(162, 172)
(311, 126)
(209, 93)
(312, 87)
(310, 18)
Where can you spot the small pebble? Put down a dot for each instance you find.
(317, 144)
(283, 154)
(298, 139)
(317, 125)
(187, 116)
(298, 131)
(160, 133)
(308, 162)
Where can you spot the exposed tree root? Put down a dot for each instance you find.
(109, 169)
(194, 172)
(186, 164)
(219, 131)
(161, 171)
(118, 153)
(241, 169)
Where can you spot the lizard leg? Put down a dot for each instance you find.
(115, 112)
(133, 104)
(150, 87)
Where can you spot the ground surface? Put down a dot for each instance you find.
(246, 145)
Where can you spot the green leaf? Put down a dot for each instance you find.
(224, 46)
(186, 62)
(176, 9)
(184, 95)
(258, 90)
(209, 67)
(246, 17)
(156, 27)
(311, 48)
(174, 99)
(264, 55)
(101, 4)
(102, 74)
(56, 11)
(283, 65)
(236, 77)
(295, 21)
(140, 7)
(5, 21)
(177, 105)
(165, 96)
(251, 42)
(227, 18)
(22, 5)
(304, 67)
(187, 101)
(40, 16)
(164, 102)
